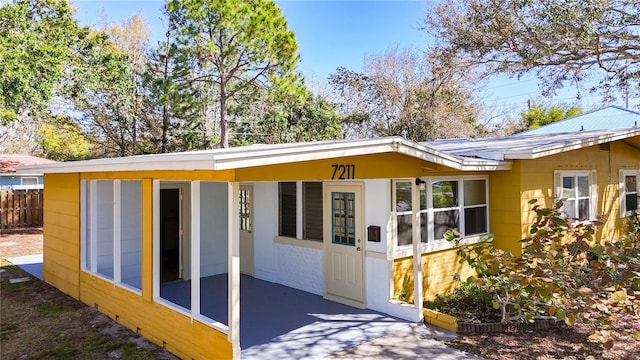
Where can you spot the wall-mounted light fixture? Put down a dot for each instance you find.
(420, 181)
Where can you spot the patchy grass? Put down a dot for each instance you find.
(38, 322)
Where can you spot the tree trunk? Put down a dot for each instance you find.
(224, 141)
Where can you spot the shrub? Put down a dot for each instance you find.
(469, 301)
(563, 272)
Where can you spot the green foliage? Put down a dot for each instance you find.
(470, 301)
(234, 46)
(311, 118)
(36, 40)
(563, 272)
(61, 140)
(539, 115)
(560, 41)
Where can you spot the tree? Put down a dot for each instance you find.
(104, 88)
(175, 111)
(60, 139)
(559, 40)
(539, 115)
(36, 39)
(403, 93)
(272, 120)
(234, 45)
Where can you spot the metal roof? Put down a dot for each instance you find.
(610, 117)
(260, 155)
(532, 146)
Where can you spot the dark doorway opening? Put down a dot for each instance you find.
(170, 235)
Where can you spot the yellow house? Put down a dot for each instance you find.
(141, 238)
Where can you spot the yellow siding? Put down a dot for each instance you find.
(147, 240)
(205, 175)
(504, 208)
(178, 333)
(438, 270)
(373, 166)
(61, 245)
(537, 181)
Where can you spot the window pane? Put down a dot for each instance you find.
(443, 221)
(630, 184)
(475, 192)
(312, 210)
(404, 230)
(475, 220)
(287, 200)
(343, 226)
(569, 207)
(445, 194)
(403, 196)
(104, 216)
(631, 202)
(583, 209)
(423, 196)
(131, 233)
(567, 187)
(424, 221)
(583, 186)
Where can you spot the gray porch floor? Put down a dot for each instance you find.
(279, 322)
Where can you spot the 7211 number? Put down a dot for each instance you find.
(343, 172)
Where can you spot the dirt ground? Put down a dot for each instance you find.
(39, 322)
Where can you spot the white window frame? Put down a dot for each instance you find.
(22, 179)
(593, 188)
(623, 192)
(88, 240)
(438, 244)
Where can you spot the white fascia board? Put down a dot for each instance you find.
(233, 161)
(535, 153)
(452, 161)
(179, 161)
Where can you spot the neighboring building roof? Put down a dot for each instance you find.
(532, 146)
(607, 118)
(9, 162)
(259, 155)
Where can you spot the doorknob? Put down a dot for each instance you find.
(358, 248)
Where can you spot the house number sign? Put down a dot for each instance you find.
(343, 172)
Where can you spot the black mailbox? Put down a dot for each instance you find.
(373, 233)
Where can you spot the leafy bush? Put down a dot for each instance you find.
(563, 272)
(469, 301)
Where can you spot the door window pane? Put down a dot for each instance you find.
(343, 221)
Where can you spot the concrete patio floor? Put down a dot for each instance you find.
(279, 322)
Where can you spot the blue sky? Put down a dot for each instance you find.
(342, 33)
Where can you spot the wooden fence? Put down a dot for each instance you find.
(20, 208)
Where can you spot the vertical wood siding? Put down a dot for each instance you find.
(21, 208)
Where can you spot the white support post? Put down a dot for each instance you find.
(195, 248)
(233, 227)
(156, 238)
(417, 255)
(117, 232)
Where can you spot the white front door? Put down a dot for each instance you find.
(344, 248)
(246, 230)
